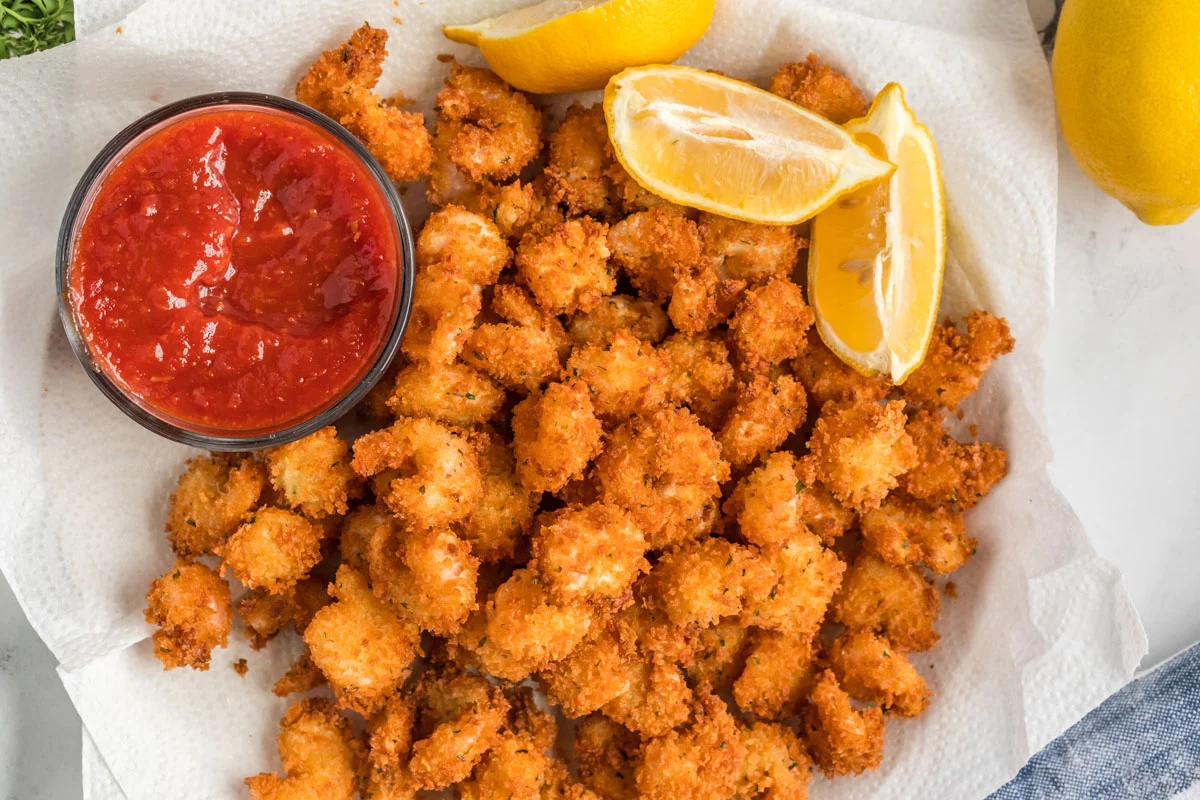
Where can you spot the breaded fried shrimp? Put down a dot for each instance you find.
(465, 720)
(764, 413)
(700, 375)
(702, 300)
(948, 472)
(452, 393)
(439, 480)
(444, 308)
(272, 550)
(467, 242)
(903, 531)
(626, 375)
(657, 700)
(190, 606)
(357, 529)
(578, 162)
(511, 206)
(302, 676)
(720, 655)
(870, 669)
(777, 765)
(779, 672)
(265, 615)
(642, 318)
(555, 435)
(515, 305)
(213, 497)
(656, 248)
(703, 761)
(493, 131)
(517, 357)
(397, 138)
(700, 582)
(596, 672)
(859, 450)
(566, 266)
(895, 601)
(769, 325)
(826, 378)
(955, 362)
(747, 252)
(314, 474)
(360, 645)
(588, 553)
(428, 575)
(821, 89)
(608, 754)
(766, 502)
(809, 575)
(321, 754)
(504, 515)
(843, 740)
(390, 732)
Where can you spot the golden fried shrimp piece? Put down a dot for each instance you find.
(578, 161)
(626, 375)
(439, 480)
(213, 497)
(870, 669)
(657, 700)
(463, 715)
(744, 251)
(504, 515)
(446, 183)
(467, 242)
(700, 582)
(272, 550)
(492, 131)
(452, 393)
(656, 248)
(518, 357)
(517, 306)
(703, 761)
(642, 318)
(265, 614)
(190, 606)
(821, 89)
(397, 138)
(608, 754)
(700, 375)
(843, 740)
(444, 308)
(595, 673)
(511, 206)
(948, 472)
(428, 575)
(321, 756)
(703, 300)
(896, 601)
(555, 435)
(859, 450)
(766, 504)
(666, 470)
(390, 732)
(302, 676)
(566, 266)
(826, 378)
(374, 405)
(779, 673)
(313, 474)
(809, 576)
(902, 531)
(720, 655)
(646, 629)
(357, 529)
(392, 783)
(360, 645)
(515, 769)
(769, 325)
(523, 631)
(818, 508)
(588, 553)
(764, 413)
(955, 362)
(777, 765)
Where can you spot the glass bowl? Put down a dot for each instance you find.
(144, 413)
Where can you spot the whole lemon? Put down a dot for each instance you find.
(1127, 87)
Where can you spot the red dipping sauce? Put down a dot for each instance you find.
(237, 270)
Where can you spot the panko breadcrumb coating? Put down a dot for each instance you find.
(428, 575)
(859, 450)
(566, 266)
(314, 474)
(656, 248)
(764, 413)
(595, 673)
(452, 393)
(492, 131)
(555, 435)
(513, 207)
(469, 244)
(390, 732)
(504, 515)
(777, 765)
(779, 672)
(903, 531)
(515, 305)
(360, 645)
(578, 163)
(321, 755)
(947, 472)
(720, 655)
(700, 375)
(273, 550)
(700, 582)
(744, 251)
(872, 670)
(896, 601)
(265, 614)
(589, 553)
(702, 300)
(703, 761)
(607, 754)
(657, 700)
(826, 378)
(626, 375)
(465, 715)
(843, 739)
(769, 325)
(821, 89)
(444, 308)
(766, 502)
(190, 606)
(643, 318)
(302, 676)
(808, 576)
(955, 362)
(215, 494)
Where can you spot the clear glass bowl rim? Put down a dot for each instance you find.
(143, 413)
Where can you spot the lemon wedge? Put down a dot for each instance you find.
(877, 255)
(577, 45)
(725, 146)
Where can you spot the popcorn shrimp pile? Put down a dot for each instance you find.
(614, 464)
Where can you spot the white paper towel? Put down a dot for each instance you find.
(1042, 629)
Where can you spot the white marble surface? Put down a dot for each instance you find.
(1121, 391)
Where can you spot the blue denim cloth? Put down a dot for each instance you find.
(1143, 743)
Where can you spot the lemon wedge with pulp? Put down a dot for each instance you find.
(577, 45)
(725, 146)
(876, 256)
